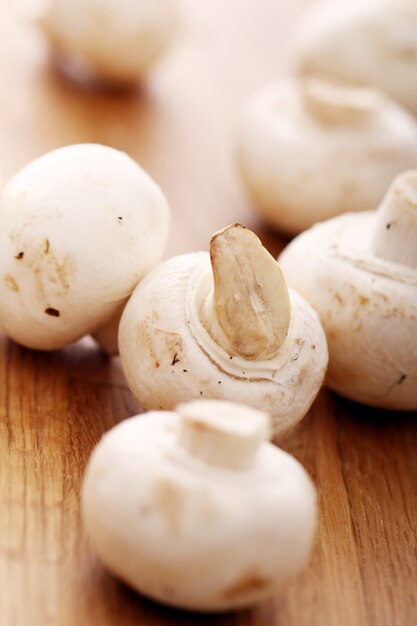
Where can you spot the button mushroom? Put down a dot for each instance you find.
(361, 276)
(310, 150)
(79, 227)
(196, 509)
(363, 42)
(112, 40)
(229, 330)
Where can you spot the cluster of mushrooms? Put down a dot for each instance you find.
(335, 143)
(215, 346)
(332, 138)
(226, 349)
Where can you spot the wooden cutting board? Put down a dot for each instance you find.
(54, 407)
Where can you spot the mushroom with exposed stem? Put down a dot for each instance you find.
(114, 41)
(196, 509)
(79, 228)
(229, 329)
(310, 150)
(362, 279)
(365, 42)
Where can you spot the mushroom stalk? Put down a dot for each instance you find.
(396, 223)
(336, 104)
(210, 432)
(248, 312)
(106, 335)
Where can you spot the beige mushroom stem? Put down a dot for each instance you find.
(336, 104)
(222, 433)
(106, 335)
(248, 312)
(395, 236)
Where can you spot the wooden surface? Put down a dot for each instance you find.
(54, 407)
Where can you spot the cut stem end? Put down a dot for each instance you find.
(395, 236)
(250, 310)
(222, 433)
(339, 104)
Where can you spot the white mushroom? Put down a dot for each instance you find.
(79, 227)
(367, 42)
(361, 276)
(228, 330)
(196, 509)
(310, 150)
(113, 40)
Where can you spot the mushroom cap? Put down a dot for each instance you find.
(365, 42)
(169, 357)
(79, 227)
(116, 39)
(368, 308)
(190, 533)
(310, 150)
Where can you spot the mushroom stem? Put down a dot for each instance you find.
(336, 104)
(222, 433)
(395, 237)
(106, 335)
(248, 312)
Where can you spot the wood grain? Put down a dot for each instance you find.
(54, 407)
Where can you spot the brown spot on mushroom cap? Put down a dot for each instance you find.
(303, 373)
(407, 53)
(49, 268)
(363, 300)
(11, 283)
(19, 256)
(248, 583)
(52, 312)
(169, 503)
(399, 381)
(159, 343)
(402, 378)
(396, 313)
(381, 295)
(61, 273)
